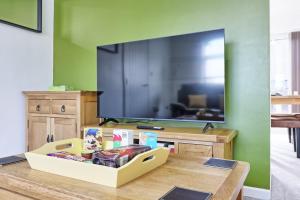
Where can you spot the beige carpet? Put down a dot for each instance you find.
(285, 167)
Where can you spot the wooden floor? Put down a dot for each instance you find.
(284, 167)
(250, 198)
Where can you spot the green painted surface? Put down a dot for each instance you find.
(81, 25)
(21, 12)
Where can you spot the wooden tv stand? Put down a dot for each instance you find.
(188, 142)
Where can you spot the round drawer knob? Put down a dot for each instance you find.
(38, 108)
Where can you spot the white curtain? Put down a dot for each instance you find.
(280, 77)
(295, 57)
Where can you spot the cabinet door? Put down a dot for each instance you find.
(63, 128)
(38, 131)
(194, 150)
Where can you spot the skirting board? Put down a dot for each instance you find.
(257, 193)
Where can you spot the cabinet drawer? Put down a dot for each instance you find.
(39, 106)
(194, 150)
(65, 107)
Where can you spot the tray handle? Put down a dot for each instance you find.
(142, 164)
(71, 145)
(149, 157)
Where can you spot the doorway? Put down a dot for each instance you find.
(284, 85)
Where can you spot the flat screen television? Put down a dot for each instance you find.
(180, 77)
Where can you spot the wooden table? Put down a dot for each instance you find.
(290, 100)
(20, 182)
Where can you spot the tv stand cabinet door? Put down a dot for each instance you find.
(195, 150)
(223, 150)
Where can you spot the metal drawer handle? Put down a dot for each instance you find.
(38, 108)
(52, 138)
(63, 108)
(48, 138)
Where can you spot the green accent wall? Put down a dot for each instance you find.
(81, 25)
(21, 12)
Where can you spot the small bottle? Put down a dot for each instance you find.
(285, 88)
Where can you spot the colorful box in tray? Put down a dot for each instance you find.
(118, 157)
(67, 155)
(149, 139)
(92, 138)
(122, 137)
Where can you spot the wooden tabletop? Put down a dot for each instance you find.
(33, 184)
(221, 135)
(57, 92)
(293, 99)
(285, 123)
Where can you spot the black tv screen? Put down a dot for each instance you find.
(179, 77)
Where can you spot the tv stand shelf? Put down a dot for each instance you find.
(189, 142)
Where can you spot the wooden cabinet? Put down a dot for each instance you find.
(53, 116)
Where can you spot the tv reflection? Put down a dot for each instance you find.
(178, 77)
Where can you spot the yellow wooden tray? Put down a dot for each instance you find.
(113, 177)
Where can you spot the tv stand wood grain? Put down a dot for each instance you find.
(189, 142)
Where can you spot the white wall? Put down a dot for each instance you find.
(284, 16)
(26, 63)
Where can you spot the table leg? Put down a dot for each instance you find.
(240, 195)
(290, 134)
(298, 142)
(294, 139)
